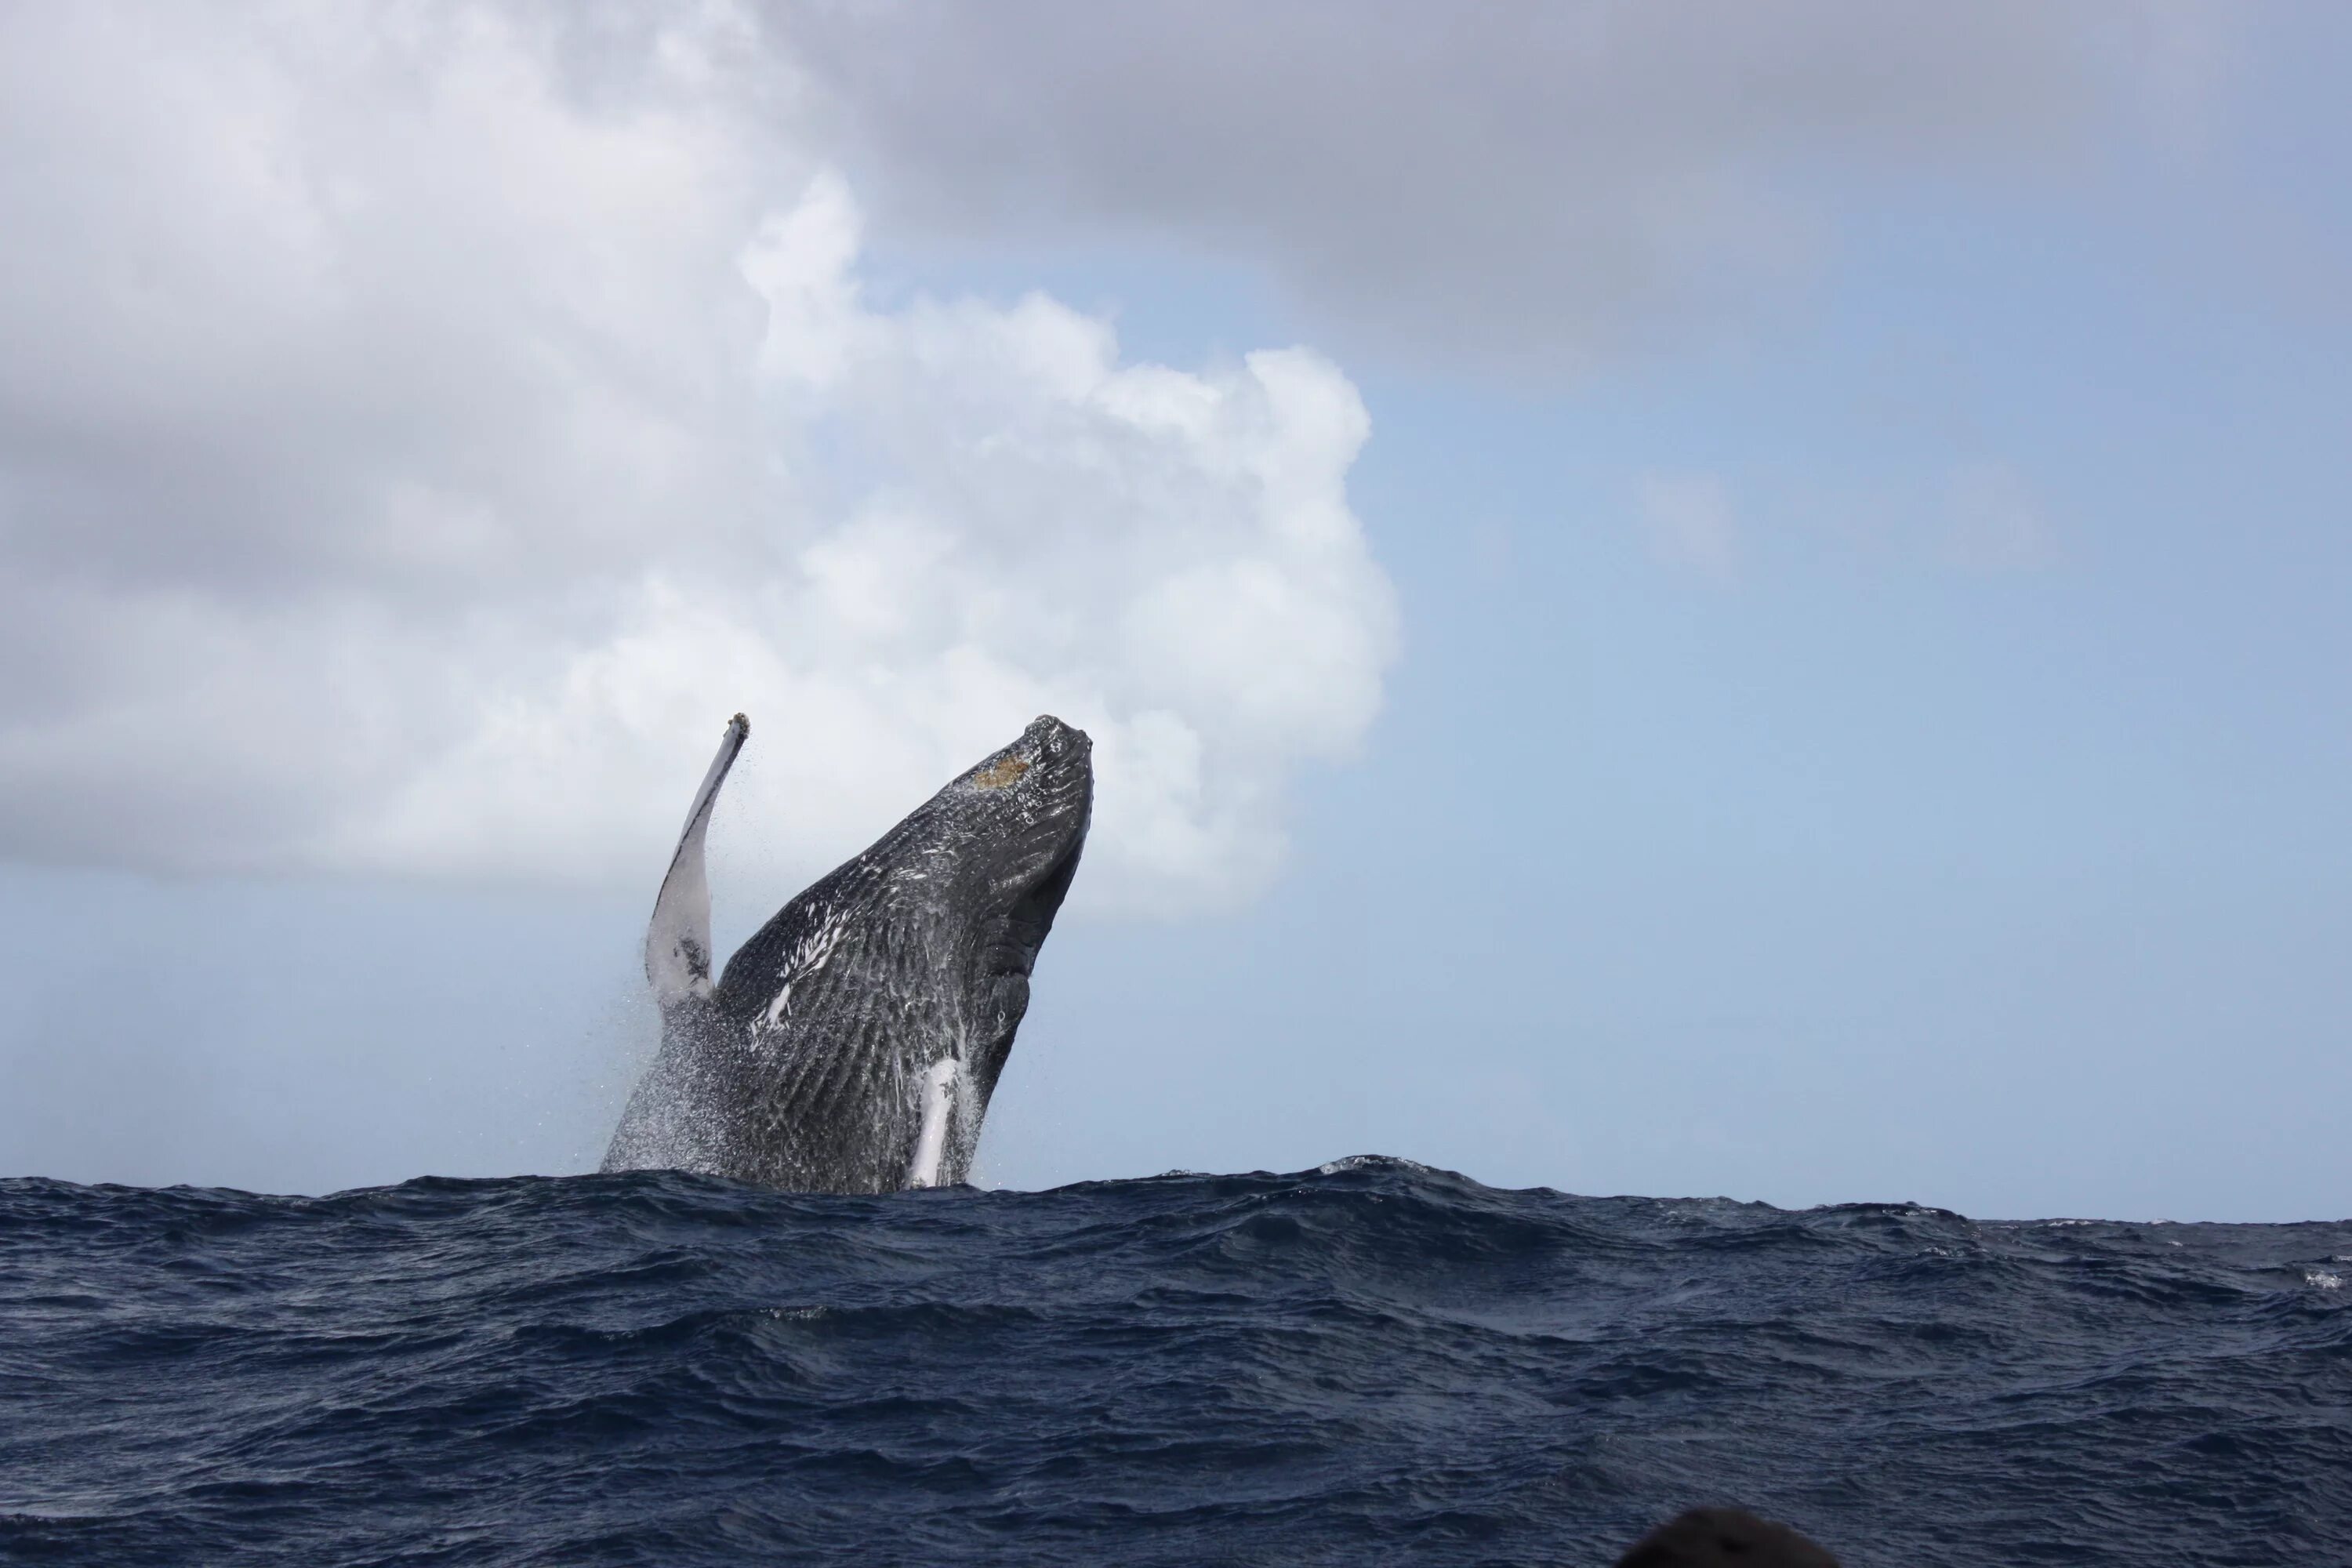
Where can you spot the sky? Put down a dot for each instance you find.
(1670, 601)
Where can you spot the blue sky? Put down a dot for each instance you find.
(1876, 728)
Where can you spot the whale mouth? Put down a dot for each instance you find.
(1035, 909)
(1019, 930)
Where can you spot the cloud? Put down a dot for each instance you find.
(424, 425)
(1688, 520)
(1523, 188)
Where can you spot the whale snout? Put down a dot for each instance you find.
(1047, 762)
(1061, 772)
(1050, 765)
(1057, 741)
(1045, 782)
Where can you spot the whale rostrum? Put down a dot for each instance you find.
(853, 1044)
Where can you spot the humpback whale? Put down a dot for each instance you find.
(852, 1045)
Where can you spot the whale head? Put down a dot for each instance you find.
(1017, 824)
(982, 868)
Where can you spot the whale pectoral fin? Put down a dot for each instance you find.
(677, 942)
(931, 1141)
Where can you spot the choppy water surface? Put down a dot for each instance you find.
(1369, 1363)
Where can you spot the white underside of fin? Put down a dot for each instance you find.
(678, 959)
(932, 1143)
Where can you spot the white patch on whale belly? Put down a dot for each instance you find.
(932, 1143)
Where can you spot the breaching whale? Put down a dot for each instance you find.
(852, 1045)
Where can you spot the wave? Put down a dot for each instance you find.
(1371, 1361)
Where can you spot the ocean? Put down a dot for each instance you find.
(1372, 1362)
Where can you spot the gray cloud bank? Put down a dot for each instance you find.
(1515, 188)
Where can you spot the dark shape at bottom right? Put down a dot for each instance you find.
(1724, 1538)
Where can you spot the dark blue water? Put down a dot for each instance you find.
(1372, 1364)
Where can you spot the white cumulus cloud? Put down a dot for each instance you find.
(425, 424)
